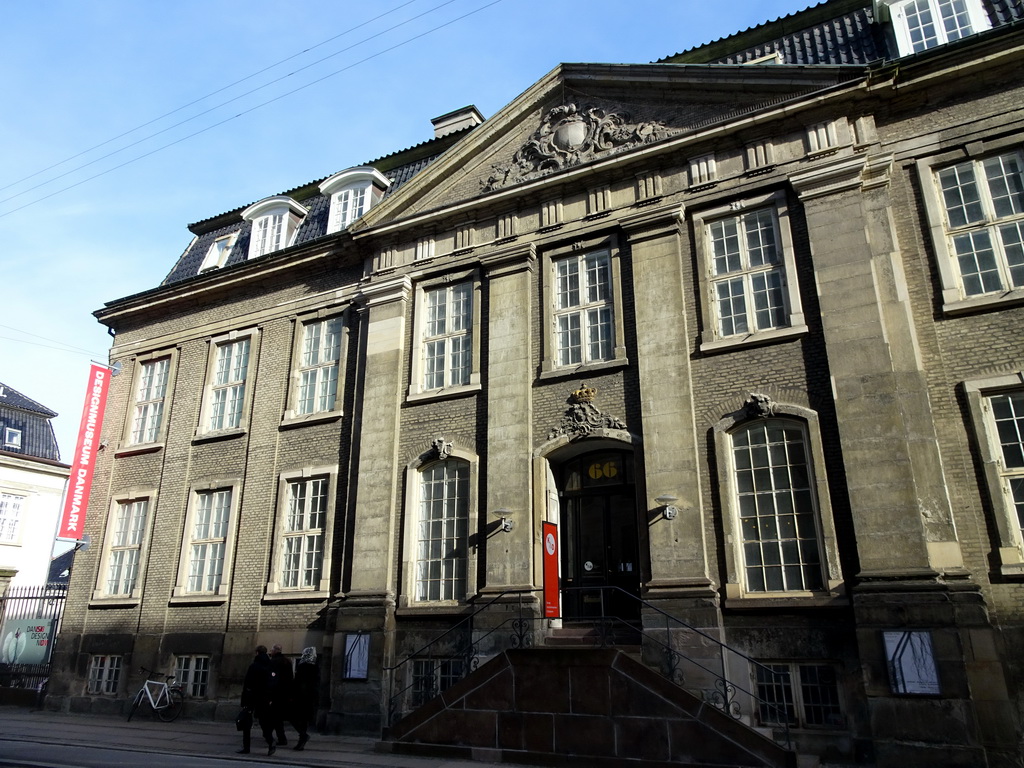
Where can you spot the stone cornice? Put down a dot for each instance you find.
(650, 223)
(506, 261)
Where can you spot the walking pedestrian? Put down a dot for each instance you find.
(256, 699)
(280, 691)
(306, 695)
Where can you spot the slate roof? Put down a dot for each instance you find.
(60, 568)
(831, 32)
(314, 225)
(33, 421)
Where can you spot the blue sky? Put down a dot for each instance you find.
(81, 77)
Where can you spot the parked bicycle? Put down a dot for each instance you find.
(166, 698)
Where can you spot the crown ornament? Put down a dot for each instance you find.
(584, 395)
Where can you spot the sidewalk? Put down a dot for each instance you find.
(205, 739)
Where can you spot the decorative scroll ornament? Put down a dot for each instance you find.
(442, 448)
(759, 406)
(582, 417)
(569, 136)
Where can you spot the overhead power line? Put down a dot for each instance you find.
(254, 108)
(213, 108)
(201, 98)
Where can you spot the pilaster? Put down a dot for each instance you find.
(509, 378)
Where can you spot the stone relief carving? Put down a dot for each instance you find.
(569, 135)
(759, 406)
(442, 448)
(582, 417)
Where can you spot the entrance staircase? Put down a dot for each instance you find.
(582, 695)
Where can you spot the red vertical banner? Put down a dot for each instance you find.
(552, 602)
(76, 502)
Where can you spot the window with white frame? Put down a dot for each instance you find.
(302, 550)
(749, 273)
(129, 528)
(10, 516)
(319, 363)
(227, 388)
(104, 674)
(799, 695)
(442, 531)
(274, 224)
(12, 437)
(996, 407)
(352, 192)
(923, 24)
(775, 500)
(150, 393)
(193, 674)
(219, 251)
(447, 351)
(1007, 413)
(584, 323)
(983, 202)
(207, 540)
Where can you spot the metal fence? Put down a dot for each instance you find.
(30, 619)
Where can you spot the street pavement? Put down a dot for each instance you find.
(199, 739)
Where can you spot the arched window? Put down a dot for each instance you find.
(777, 507)
(442, 531)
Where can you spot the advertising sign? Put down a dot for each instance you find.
(25, 641)
(76, 502)
(552, 603)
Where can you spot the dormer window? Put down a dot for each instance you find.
(274, 223)
(923, 24)
(353, 192)
(219, 252)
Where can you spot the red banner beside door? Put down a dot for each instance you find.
(552, 602)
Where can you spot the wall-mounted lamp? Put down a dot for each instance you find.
(505, 516)
(668, 508)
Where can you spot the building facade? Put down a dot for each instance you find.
(744, 323)
(32, 481)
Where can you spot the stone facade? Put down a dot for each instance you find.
(865, 363)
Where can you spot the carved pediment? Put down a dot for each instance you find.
(569, 135)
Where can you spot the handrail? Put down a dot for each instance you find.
(722, 699)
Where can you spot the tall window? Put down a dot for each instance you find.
(776, 508)
(208, 536)
(227, 394)
(303, 550)
(748, 278)
(443, 531)
(126, 543)
(10, 513)
(149, 400)
(318, 373)
(924, 24)
(267, 233)
(584, 325)
(798, 695)
(984, 219)
(1007, 413)
(193, 674)
(104, 674)
(447, 340)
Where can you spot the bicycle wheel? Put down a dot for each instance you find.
(135, 705)
(175, 701)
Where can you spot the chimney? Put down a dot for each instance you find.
(467, 117)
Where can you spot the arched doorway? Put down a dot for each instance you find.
(599, 541)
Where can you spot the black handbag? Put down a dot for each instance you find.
(244, 720)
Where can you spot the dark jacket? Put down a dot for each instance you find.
(281, 680)
(256, 687)
(307, 687)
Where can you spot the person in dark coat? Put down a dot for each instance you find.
(306, 692)
(256, 699)
(280, 691)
